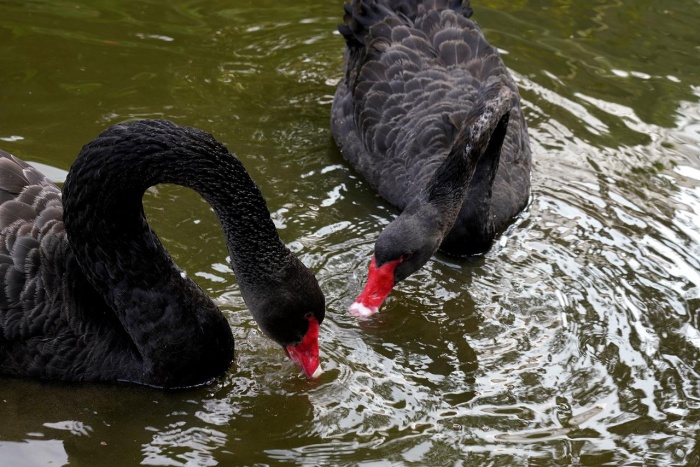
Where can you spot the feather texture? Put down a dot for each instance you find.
(87, 290)
(414, 72)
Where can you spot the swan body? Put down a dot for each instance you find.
(429, 115)
(89, 293)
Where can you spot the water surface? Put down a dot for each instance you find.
(574, 341)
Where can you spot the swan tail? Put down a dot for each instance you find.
(362, 15)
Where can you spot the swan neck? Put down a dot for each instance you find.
(470, 167)
(123, 258)
(104, 190)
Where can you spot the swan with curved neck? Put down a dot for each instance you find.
(91, 294)
(429, 115)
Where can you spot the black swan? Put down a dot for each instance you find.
(89, 293)
(428, 114)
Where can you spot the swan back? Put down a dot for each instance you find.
(31, 225)
(39, 336)
(413, 73)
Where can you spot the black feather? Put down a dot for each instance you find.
(87, 291)
(399, 126)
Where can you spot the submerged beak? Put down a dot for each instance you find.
(380, 281)
(305, 354)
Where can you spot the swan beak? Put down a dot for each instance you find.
(380, 281)
(362, 311)
(305, 354)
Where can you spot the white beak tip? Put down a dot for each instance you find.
(362, 311)
(317, 373)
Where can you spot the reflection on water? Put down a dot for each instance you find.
(35, 452)
(575, 341)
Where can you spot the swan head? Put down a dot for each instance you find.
(305, 353)
(402, 248)
(290, 312)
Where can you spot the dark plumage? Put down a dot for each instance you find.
(88, 292)
(428, 111)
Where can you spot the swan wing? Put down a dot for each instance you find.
(32, 239)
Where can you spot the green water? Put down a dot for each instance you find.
(573, 342)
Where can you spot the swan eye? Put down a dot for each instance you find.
(405, 256)
(308, 316)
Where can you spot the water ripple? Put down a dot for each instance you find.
(574, 341)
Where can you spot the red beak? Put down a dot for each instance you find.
(380, 281)
(305, 354)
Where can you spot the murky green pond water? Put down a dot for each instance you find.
(575, 341)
